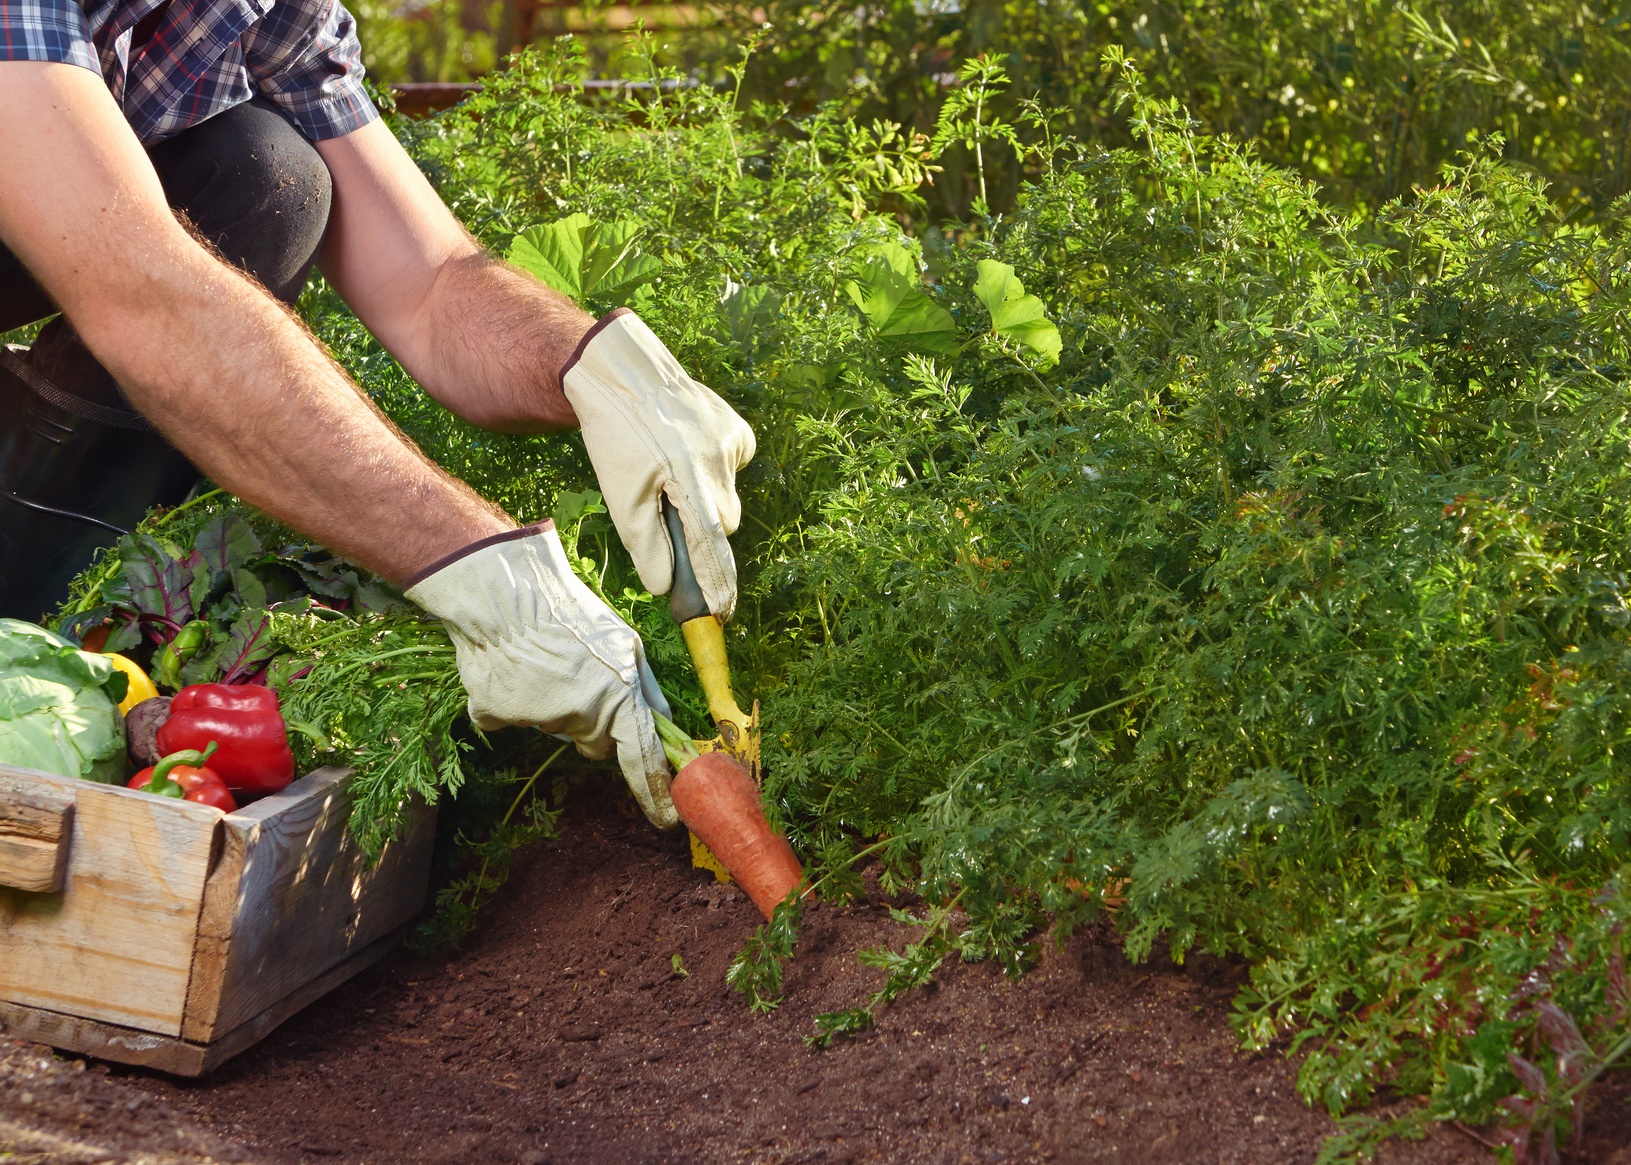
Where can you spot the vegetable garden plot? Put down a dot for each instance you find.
(1172, 539)
(523, 1047)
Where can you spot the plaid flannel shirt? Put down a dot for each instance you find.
(204, 56)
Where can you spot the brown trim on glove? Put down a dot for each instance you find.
(598, 327)
(447, 560)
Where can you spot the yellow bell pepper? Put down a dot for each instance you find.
(141, 688)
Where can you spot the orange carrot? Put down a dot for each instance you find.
(718, 800)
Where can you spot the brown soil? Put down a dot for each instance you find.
(66, 1112)
(564, 1035)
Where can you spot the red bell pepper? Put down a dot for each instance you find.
(182, 774)
(254, 756)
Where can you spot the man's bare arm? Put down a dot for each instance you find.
(214, 362)
(486, 340)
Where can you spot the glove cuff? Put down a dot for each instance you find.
(595, 329)
(448, 560)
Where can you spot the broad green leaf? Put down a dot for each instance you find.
(249, 587)
(227, 542)
(611, 267)
(572, 506)
(554, 253)
(585, 259)
(750, 313)
(1015, 315)
(894, 302)
(124, 637)
(219, 552)
(247, 645)
(900, 260)
(57, 705)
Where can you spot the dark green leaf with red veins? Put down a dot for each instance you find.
(328, 577)
(247, 646)
(337, 580)
(219, 553)
(152, 584)
(76, 628)
(126, 636)
(227, 543)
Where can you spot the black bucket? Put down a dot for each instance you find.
(74, 476)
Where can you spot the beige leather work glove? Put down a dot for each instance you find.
(651, 430)
(537, 647)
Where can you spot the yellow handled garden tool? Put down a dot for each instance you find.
(705, 640)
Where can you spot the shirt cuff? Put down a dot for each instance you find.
(47, 45)
(344, 108)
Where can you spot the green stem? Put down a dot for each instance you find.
(160, 781)
(187, 505)
(859, 854)
(677, 746)
(481, 878)
(979, 152)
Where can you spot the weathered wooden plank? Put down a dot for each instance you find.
(27, 811)
(167, 1053)
(116, 943)
(222, 894)
(253, 1031)
(34, 837)
(106, 1041)
(214, 940)
(306, 899)
(35, 866)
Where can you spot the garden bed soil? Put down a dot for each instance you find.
(564, 1034)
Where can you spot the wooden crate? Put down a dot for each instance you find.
(167, 934)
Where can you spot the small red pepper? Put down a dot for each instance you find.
(182, 774)
(244, 719)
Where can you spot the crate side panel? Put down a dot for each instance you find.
(308, 899)
(115, 944)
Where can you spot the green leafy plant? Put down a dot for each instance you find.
(966, 118)
(1015, 316)
(905, 970)
(1170, 537)
(586, 260)
(889, 293)
(527, 820)
(756, 972)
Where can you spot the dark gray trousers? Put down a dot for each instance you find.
(76, 465)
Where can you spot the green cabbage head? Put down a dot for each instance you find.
(59, 706)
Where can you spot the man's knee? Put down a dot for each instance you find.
(255, 188)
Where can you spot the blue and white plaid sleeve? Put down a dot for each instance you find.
(304, 56)
(46, 30)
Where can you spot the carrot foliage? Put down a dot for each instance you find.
(1172, 539)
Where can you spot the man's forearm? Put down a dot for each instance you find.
(225, 372)
(482, 338)
(501, 338)
(238, 385)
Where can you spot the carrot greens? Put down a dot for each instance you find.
(1173, 543)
